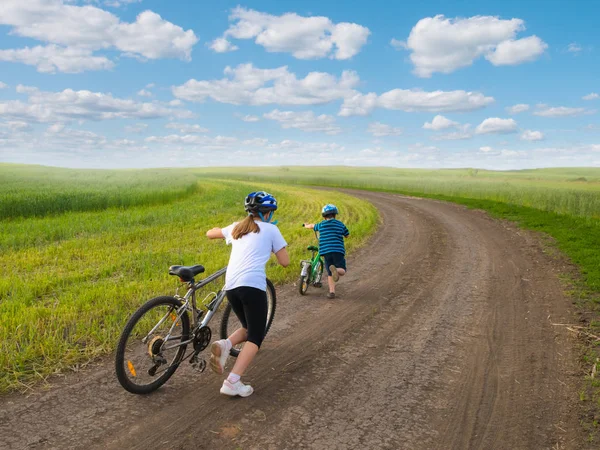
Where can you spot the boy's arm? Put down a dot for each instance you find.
(346, 232)
(309, 225)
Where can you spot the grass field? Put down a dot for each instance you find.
(565, 203)
(72, 275)
(81, 249)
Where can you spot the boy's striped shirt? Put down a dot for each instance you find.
(331, 236)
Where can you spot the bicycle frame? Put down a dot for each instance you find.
(313, 263)
(190, 297)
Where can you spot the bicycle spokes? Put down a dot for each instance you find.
(153, 344)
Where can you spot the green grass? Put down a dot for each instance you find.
(554, 190)
(71, 280)
(36, 191)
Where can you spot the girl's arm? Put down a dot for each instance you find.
(282, 257)
(215, 233)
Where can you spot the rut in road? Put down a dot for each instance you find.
(442, 337)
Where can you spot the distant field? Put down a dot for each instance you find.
(571, 191)
(71, 276)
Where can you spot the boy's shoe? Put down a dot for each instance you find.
(237, 388)
(331, 295)
(334, 273)
(218, 356)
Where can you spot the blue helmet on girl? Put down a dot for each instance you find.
(329, 210)
(259, 203)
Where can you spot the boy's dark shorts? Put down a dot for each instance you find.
(337, 259)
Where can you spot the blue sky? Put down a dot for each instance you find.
(148, 83)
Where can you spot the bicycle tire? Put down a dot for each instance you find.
(319, 272)
(303, 284)
(271, 298)
(120, 363)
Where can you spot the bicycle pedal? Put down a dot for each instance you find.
(199, 365)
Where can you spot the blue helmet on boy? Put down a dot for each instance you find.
(260, 202)
(329, 210)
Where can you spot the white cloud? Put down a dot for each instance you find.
(305, 147)
(574, 48)
(144, 93)
(119, 3)
(519, 108)
(591, 96)
(379, 129)
(137, 128)
(512, 52)
(16, 125)
(305, 121)
(55, 128)
(497, 126)
(560, 111)
(440, 44)
(150, 85)
(486, 149)
(70, 105)
(529, 135)
(440, 123)
(250, 118)
(256, 142)
(186, 128)
(204, 142)
(248, 85)
(78, 31)
(414, 101)
(303, 37)
(53, 58)
(422, 148)
(222, 45)
(463, 134)
(3, 85)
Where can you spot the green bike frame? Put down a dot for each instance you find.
(312, 270)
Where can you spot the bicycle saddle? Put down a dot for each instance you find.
(312, 248)
(186, 273)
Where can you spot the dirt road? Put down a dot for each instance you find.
(442, 338)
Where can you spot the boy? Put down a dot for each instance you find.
(331, 245)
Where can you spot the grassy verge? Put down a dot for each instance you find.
(71, 280)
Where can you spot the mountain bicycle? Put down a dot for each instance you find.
(154, 341)
(311, 269)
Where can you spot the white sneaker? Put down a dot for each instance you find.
(237, 388)
(218, 356)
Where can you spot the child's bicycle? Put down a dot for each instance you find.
(154, 341)
(312, 269)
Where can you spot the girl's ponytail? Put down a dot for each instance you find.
(248, 225)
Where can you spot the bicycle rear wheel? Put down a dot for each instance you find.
(230, 322)
(148, 352)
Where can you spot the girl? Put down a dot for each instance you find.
(252, 241)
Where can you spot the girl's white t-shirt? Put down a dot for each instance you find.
(249, 255)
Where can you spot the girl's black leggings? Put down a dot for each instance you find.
(250, 306)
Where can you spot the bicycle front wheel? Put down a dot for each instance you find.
(303, 284)
(150, 350)
(230, 322)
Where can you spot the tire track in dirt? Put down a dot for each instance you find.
(441, 338)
